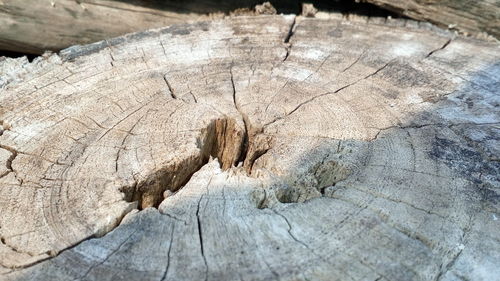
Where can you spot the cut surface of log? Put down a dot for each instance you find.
(254, 148)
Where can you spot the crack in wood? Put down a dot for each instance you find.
(245, 120)
(8, 163)
(235, 140)
(286, 41)
(221, 139)
(326, 94)
(439, 49)
(290, 233)
(444, 268)
(168, 253)
(200, 230)
(107, 256)
(170, 89)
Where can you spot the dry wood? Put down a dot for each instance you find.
(272, 147)
(34, 26)
(469, 16)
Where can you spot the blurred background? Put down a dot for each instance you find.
(32, 27)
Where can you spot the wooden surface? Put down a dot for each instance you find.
(256, 148)
(472, 17)
(34, 26)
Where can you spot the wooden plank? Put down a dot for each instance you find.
(34, 26)
(468, 16)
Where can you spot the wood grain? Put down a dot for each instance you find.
(254, 148)
(472, 17)
(34, 26)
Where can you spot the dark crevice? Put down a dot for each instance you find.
(14, 249)
(253, 157)
(11, 54)
(194, 97)
(438, 49)
(244, 117)
(261, 204)
(170, 89)
(254, 144)
(288, 49)
(11, 158)
(8, 163)
(352, 7)
(323, 189)
(355, 62)
(286, 41)
(221, 139)
(200, 235)
(290, 32)
(168, 253)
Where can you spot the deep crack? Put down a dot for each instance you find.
(289, 35)
(221, 139)
(200, 236)
(168, 253)
(439, 49)
(246, 122)
(8, 163)
(254, 144)
(290, 31)
(170, 89)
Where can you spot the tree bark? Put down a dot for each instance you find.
(469, 16)
(254, 148)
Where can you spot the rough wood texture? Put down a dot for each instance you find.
(464, 15)
(363, 151)
(35, 26)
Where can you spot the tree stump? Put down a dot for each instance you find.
(255, 148)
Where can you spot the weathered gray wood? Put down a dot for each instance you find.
(369, 150)
(34, 26)
(469, 16)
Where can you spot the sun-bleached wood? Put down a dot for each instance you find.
(472, 17)
(36, 26)
(254, 148)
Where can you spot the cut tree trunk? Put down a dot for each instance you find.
(255, 148)
(464, 15)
